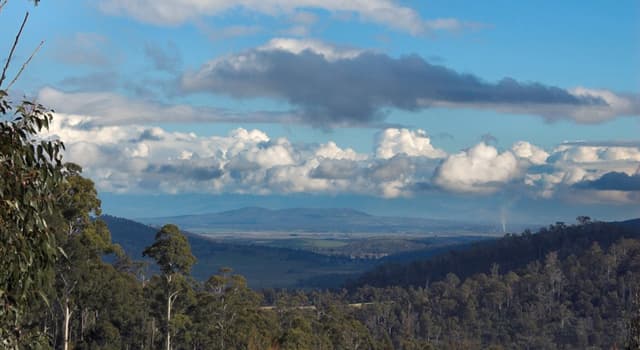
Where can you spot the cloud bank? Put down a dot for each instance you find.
(139, 159)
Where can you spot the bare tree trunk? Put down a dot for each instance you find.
(67, 318)
(171, 297)
(168, 322)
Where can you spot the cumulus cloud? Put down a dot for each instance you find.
(586, 153)
(480, 169)
(385, 12)
(530, 152)
(415, 143)
(134, 158)
(332, 151)
(587, 172)
(332, 85)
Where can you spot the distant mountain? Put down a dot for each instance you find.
(345, 220)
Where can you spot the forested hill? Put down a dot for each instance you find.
(132, 236)
(512, 252)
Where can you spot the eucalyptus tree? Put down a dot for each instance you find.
(172, 252)
(30, 171)
(82, 240)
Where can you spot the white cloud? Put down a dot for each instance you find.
(594, 154)
(530, 152)
(571, 164)
(615, 105)
(331, 151)
(140, 150)
(481, 169)
(135, 158)
(413, 143)
(296, 46)
(175, 12)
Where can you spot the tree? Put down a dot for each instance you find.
(30, 171)
(583, 220)
(172, 252)
(226, 315)
(84, 241)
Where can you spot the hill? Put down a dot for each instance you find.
(511, 252)
(313, 220)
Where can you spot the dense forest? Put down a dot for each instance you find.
(66, 285)
(512, 252)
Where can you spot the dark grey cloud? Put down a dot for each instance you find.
(358, 89)
(185, 171)
(336, 169)
(612, 181)
(150, 135)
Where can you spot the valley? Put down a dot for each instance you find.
(301, 248)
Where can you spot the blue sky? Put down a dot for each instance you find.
(421, 108)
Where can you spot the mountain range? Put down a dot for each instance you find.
(343, 220)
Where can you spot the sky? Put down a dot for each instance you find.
(492, 111)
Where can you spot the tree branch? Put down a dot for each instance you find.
(24, 65)
(2, 3)
(13, 48)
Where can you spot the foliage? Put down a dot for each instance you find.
(582, 301)
(171, 250)
(30, 172)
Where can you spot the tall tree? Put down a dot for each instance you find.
(30, 168)
(30, 171)
(172, 252)
(83, 241)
